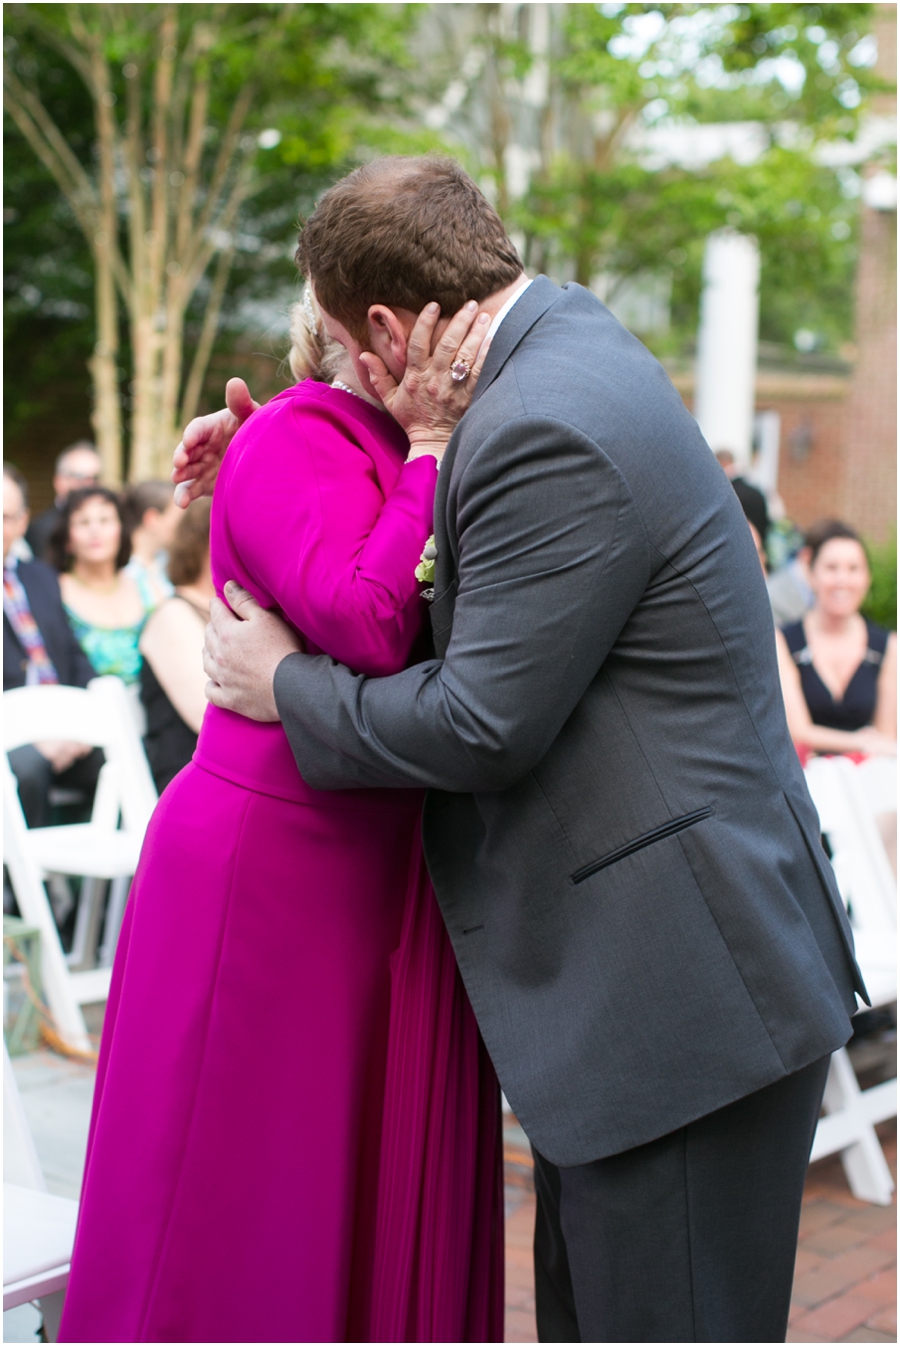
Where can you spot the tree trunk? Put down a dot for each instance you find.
(106, 414)
(176, 217)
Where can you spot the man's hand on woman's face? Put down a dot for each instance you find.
(429, 402)
(244, 646)
(199, 455)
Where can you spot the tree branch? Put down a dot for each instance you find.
(207, 248)
(45, 138)
(159, 190)
(194, 384)
(55, 39)
(192, 155)
(220, 172)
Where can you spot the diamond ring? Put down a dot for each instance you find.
(460, 371)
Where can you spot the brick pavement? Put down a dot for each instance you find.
(845, 1286)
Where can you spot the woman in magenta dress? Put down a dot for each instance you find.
(295, 1133)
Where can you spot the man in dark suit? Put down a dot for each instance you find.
(39, 647)
(617, 826)
(77, 466)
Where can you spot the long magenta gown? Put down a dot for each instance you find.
(295, 1135)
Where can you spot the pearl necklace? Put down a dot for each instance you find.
(336, 383)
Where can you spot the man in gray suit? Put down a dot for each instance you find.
(617, 825)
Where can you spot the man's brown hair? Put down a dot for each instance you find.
(403, 232)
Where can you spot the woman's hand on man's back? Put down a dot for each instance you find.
(197, 459)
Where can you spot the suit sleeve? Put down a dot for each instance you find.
(552, 560)
(72, 665)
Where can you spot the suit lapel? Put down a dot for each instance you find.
(534, 303)
(540, 295)
(520, 319)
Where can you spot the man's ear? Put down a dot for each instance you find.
(388, 335)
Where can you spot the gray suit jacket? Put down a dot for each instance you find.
(617, 827)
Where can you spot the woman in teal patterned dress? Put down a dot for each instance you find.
(106, 607)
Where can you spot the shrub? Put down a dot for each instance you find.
(881, 603)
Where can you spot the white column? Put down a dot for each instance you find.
(726, 345)
(765, 465)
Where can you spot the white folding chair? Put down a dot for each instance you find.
(38, 1228)
(866, 884)
(875, 787)
(877, 778)
(96, 851)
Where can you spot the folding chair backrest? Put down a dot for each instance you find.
(99, 715)
(862, 870)
(877, 780)
(31, 714)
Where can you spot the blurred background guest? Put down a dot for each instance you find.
(789, 589)
(106, 607)
(76, 467)
(153, 516)
(753, 502)
(758, 544)
(40, 648)
(172, 675)
(838, 670)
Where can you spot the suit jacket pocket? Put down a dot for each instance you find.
(668, 829)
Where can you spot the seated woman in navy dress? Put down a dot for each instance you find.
(838, 670)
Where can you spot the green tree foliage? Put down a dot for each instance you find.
(881, 604)
(48, 317)
(334, 83)
(195, 112)
(610, 75)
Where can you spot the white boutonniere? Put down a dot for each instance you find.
(425, 568)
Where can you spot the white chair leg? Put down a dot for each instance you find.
(849, 1127)
(115, 910)
(87, 924)
(31, 896)
(51, 1309)
(867, 1170)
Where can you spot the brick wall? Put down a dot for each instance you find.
(869, 483)
(812, 456)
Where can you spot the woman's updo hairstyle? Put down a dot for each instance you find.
(313, 354)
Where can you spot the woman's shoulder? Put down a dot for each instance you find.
(173, 621)
(323, 416)
(877, 637)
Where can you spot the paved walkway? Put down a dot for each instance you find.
(845, 1287)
